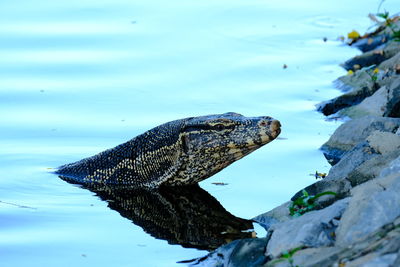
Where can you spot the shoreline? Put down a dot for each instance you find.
(351, 217)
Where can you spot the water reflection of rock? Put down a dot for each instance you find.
(188, 216)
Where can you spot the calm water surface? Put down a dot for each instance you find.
(77, 77)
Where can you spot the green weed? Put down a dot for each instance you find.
(306, 203)
(390, 23)
(288, 255)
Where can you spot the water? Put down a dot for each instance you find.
(77, 77)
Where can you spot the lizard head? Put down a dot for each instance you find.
(210, 143)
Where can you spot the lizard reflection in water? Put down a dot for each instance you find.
(152, 178)
(184, 215)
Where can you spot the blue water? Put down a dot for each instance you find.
(77, 77)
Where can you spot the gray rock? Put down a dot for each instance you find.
(357, 87)
(373, 260)
(373, 249)
(316, 257)
(387, 30)
(313, 229)
(388, 76)
(361, 85)
(393, 104)
(340, 187)
(355, 131)
(350, 161)
(384, 102)
(374, 57)
(353, 82)
(310, 257)
(243, 252)
(276, 215)
(373, 205)
(249, 252)
(218, 258)
(374, 105)
(382, 261)
(384, 142)
(368, 44)
(393, 168)
(390, 64)
(365, 60)
(361, 164)
(364, 162)
(397, 261)
(371, 168)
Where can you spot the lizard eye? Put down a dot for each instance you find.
(219, 127)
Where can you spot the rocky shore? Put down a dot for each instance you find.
(351, 217)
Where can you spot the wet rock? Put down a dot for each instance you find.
(351, 160)
(393, 103)
(243, 252)
(277, 215)
(373, 260)
(365, 60)
(382, 261)
(340, 187)
(374, 105)
(357, 87)
(361, 85)
(397, 261)
(364, 162)
(374, 57)
(353, 132)
(313, 229)
(373, 205)
(371, 169)
(372, 249)
(390, 63)
(393, 168)
(249, 252)
(384, 102)
(368, 44)
(323, 256)
(218, 258)
(384, 142)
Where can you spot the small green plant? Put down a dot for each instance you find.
(396, 35)
(306, 203)
(373, 72)
(374, 75)
(389, 22)
(288, 255)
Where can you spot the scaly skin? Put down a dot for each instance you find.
(180, 152)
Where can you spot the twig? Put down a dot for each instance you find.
(17, 205)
